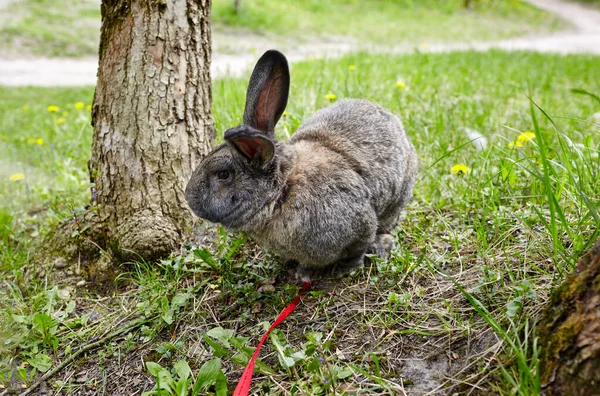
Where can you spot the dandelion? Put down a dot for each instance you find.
(460, 169)
(60, 121)
(424, 45)
(79, 105)
(351, 67)
(39, 141)
(525, 137)
(65, 113)
(88, 108)
(16, 177)
(330, 96)
(52, 108)
(521, 139)
(285, 114)
(400, 84)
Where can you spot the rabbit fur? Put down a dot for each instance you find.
(331, 194)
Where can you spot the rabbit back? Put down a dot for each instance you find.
(374, 144)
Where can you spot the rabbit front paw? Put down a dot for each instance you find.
(382, 246)
(303, 273)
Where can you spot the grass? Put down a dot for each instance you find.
(51, 28)
(48, 149)
(57, 28)
(453, 310)
(386, 22)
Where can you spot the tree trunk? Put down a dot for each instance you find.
(570, 333)
(151, 119)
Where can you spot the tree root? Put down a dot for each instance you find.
(570, 332)
(75, 249)
(89, 247)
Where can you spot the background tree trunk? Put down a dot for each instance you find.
(570, 333)
(151, 119)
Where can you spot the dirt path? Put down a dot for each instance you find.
(584, 37)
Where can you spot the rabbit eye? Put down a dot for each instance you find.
(223, 175)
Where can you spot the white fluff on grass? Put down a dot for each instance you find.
(478, 140)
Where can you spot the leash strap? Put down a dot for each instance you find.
(243, 386)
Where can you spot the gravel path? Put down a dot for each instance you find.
(584, 37)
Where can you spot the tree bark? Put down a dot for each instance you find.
(151, 119)
(570, 333)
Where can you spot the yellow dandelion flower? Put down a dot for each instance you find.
(65, 113)
(39, 141)
(79, 105)
(351, 67)
(525, 137)
(60, 121)
(88, 108)
(285, 114)
(400, 84)
(424, 45)
(521, 139)
(31, 141)
(16, 177)
(52, 108)
(330, 96)
(460, 168)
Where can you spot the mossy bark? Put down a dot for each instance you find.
(152, 124)
(570, 333)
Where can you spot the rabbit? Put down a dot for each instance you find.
(327, 197)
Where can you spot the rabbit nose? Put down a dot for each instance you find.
(193, 200)
(189, 194)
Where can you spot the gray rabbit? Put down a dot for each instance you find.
(331, 194)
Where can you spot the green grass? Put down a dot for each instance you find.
(385, 22)
(477, 253)
(58, 28)
(49, 150)
(51, 28)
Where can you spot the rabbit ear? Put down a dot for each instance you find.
(267, 93)
(254, 145)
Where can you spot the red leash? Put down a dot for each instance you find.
(243, 386)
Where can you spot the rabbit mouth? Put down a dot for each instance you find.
(236, 218)
(241, 217)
